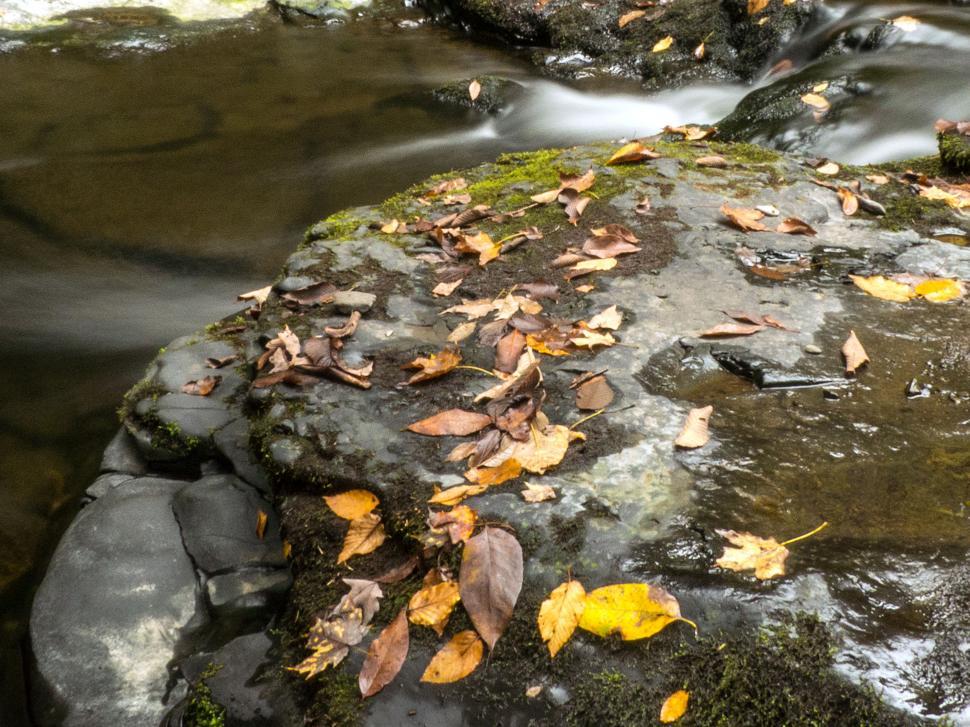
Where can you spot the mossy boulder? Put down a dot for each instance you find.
(495, 95)
(955, 152)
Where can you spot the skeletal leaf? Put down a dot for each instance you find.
(352, 504)
(537, 493)
(610, 318)
(490, 476)
(451, 422)
(695, 434)
(456, 659)
(724, 330)
(884, 288)
(940, 290)
(629, 17)
(559, 614)
(663, 44)
(474, 89)
(490, 580)
(795, 226)
(202, 387)
(454, 495)
(630, 610)
(674, 706)
(745, 218)
(855, 355)
(459, 522)
(432, 605)
(385, 657)
(816, 101)
(365, 535)
(435, 365)
(630, 153)
(765, 556)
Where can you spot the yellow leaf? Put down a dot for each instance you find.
(829, 169)
(365, 535)
(589, 339)
(489, 476)
(432, 605)
(632, 152)
(756, 6)
(261, 519)
(906, 23)
(560, 613)
(663, 44)
(537, 344)
(815, 101)
(629, 17)
(940, 291)
(884, 288)
(456, 660)
(543, 449)
(352, 504)
(765, 556)
(595, 265)
(454, 495)
(630, 610)
(674, 706)
(820, 87)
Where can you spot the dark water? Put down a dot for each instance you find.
(149, 175)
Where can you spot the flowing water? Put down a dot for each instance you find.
(151, 171)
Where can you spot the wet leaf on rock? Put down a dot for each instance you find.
(352, 504)
(537, 493)
(744, 218)
(459, 522)
(365, 535)
(456, 659)
(451, 422)
(816, 101)
(884, 288)
(725, 330)
(454, 495)
(435, 365)
(795, 226)
(850, 202)
(663, 44)
(674, 706)
(695, 432)
(490, 581)
(629, 610)
(385, 657)
(629, 17)
(261, 519)
(765, 556)
(474, 89)
(491, 476)
(432, 605)
(201, 387)
(560, 613)
(855, 355)
(594, 394)
(632, 153)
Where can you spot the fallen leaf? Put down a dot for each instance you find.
(691, 133)
(663, 44)
(674, 706)
(259, 296)
(451, 422)
(385, 657)
(724, 330)
(462, 332)
(643, 206)
(829, 169)
(459, 522)
(474, 89)
(629, 17)
(533, 691)
(574, 204)
(454, 495)
(906, 23)
(630, 610)
(491, 476)
(850, 203)
(940, 290)
(594, 394)
(261, 519)
(884, 288)
(445, 289)
(878, 179)
(347, 329)
(435, 365)
(711, 161)
(765, 556)
(816, 101)
(352, 504)
(481, 244)
(608, 246)
(699, 52)
(695, 434)
(490, 580)
(218, 363)
(610, 318)
(855, 355)
(472, 309)
(756, 6)
(399, 572)
(630, 153)
(559, 614)
(537, 493)
(432, 605)
(795, 226)
(201, 387)
(456, 659)
(544, 450)
(586, 267)
(820, 87)
(365, 535)
(745, 218)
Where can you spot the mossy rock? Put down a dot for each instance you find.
(496, 94)
(955, 152)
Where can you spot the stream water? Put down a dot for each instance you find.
(148, 174)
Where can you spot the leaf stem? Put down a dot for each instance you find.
(587, 418)
(807, 535)
(476, 368)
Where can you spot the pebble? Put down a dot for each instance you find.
(812, 348)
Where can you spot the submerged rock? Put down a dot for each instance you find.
(496, 94)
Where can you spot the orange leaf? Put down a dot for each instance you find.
(456, 660)
(674, 706)
(365, 535)
(352, 504)
(451, 422)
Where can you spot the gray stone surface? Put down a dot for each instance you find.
(246, 589)
(122, 455)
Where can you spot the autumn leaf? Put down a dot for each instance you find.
(365, 535)
(884, 288)
(906, 23)
(699, 52)
(352, 504)
(537, 493)
(474, 89)
(724, 330)
(385, 657)
(459, 522)
(462, 332)
(717, 162)
(435, 365)
(630, 153)
(756, 6)
(691, 133)
(765, 556)
(829, 169)
(850, 202)
(663, 44)
(481, 244)
(432, 605)
(490, 476)
(695, 434)
(456, 659)
(590, 339)
(202, 387)
(453, 495)
(878, 179)
(559, 614)
(630, 610)
(816, 101)
(745, 218)
(444, 289)
(218, 363)
(594, 394)
(258, 296)
(674, 706)
(855, 355)
(451, 422)
(940, 290)
(490, 580)
(629, 17)
(261, 519)
(608, 246)
(795, 226)
(586, 267)
(544, 449)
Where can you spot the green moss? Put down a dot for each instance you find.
(954, 153)
(338, 225)
(202, 710)
(905, 210)
(339, 703)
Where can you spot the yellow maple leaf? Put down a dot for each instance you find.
(630, 610)
(560, 613)
(765, 556)
(544, 449)
(940, 290)
(884, 288)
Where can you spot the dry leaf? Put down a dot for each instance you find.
(202, 387)
(352, 504)
(878, 179)
(590, 339)
(629, 17)
(630, 153)
(745, 218)
(850, 203)
(474, 89)
(258, 296)
(756, 6)
(940, 290)
(695, 434)
(820, 87)
(432, 605)
(218, 363)
(490, 581)
(590, 266)
(816, 101)
(399, 572)
(533, 691)
(765, 556)
(261, 519)
(462, 332)
(459, 522)
(559, 614)
(435, 365)
(385, 657)
(610, 318)
(906, 23)
(594, 394)
(643, 206)
(691, 133)
(855, 355)
(829, 169)
(451, 422)
(884, 288)
(630, 610)
(365, 535)
(795, 226)
(445, 289)
(674, 706)
(711, 161)
(663, 44)
(699, 52)
(491, 476)
(724, 330)
(454, 495)
(537, 493)
(456, 660)
(544, 450)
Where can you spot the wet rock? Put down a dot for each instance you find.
(246, 590)
(765, 374)
(122, 455)
(496, 94)
(101, 486)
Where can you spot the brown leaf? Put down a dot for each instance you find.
(462, 332)
(631, 153)
(574, 203)
(385, 657)
(399, 572)
(537, 493)
(218, 363)
(456, 660)
(490, 581)
(629, 17)
(459, 522)
(695, 434)
(850, 203)
(855, 355)
(795, 226)
(594, 394)
(745, 218)
(451, 422)
(724, 330)
(315, 294)
(365, 535)
(607, 246)
(539, 290)
(435, 365)
(643, 206)
(510, 347)
(711, 161)
(202, 387)
(347, 329)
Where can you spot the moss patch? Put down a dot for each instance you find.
(202, 710)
